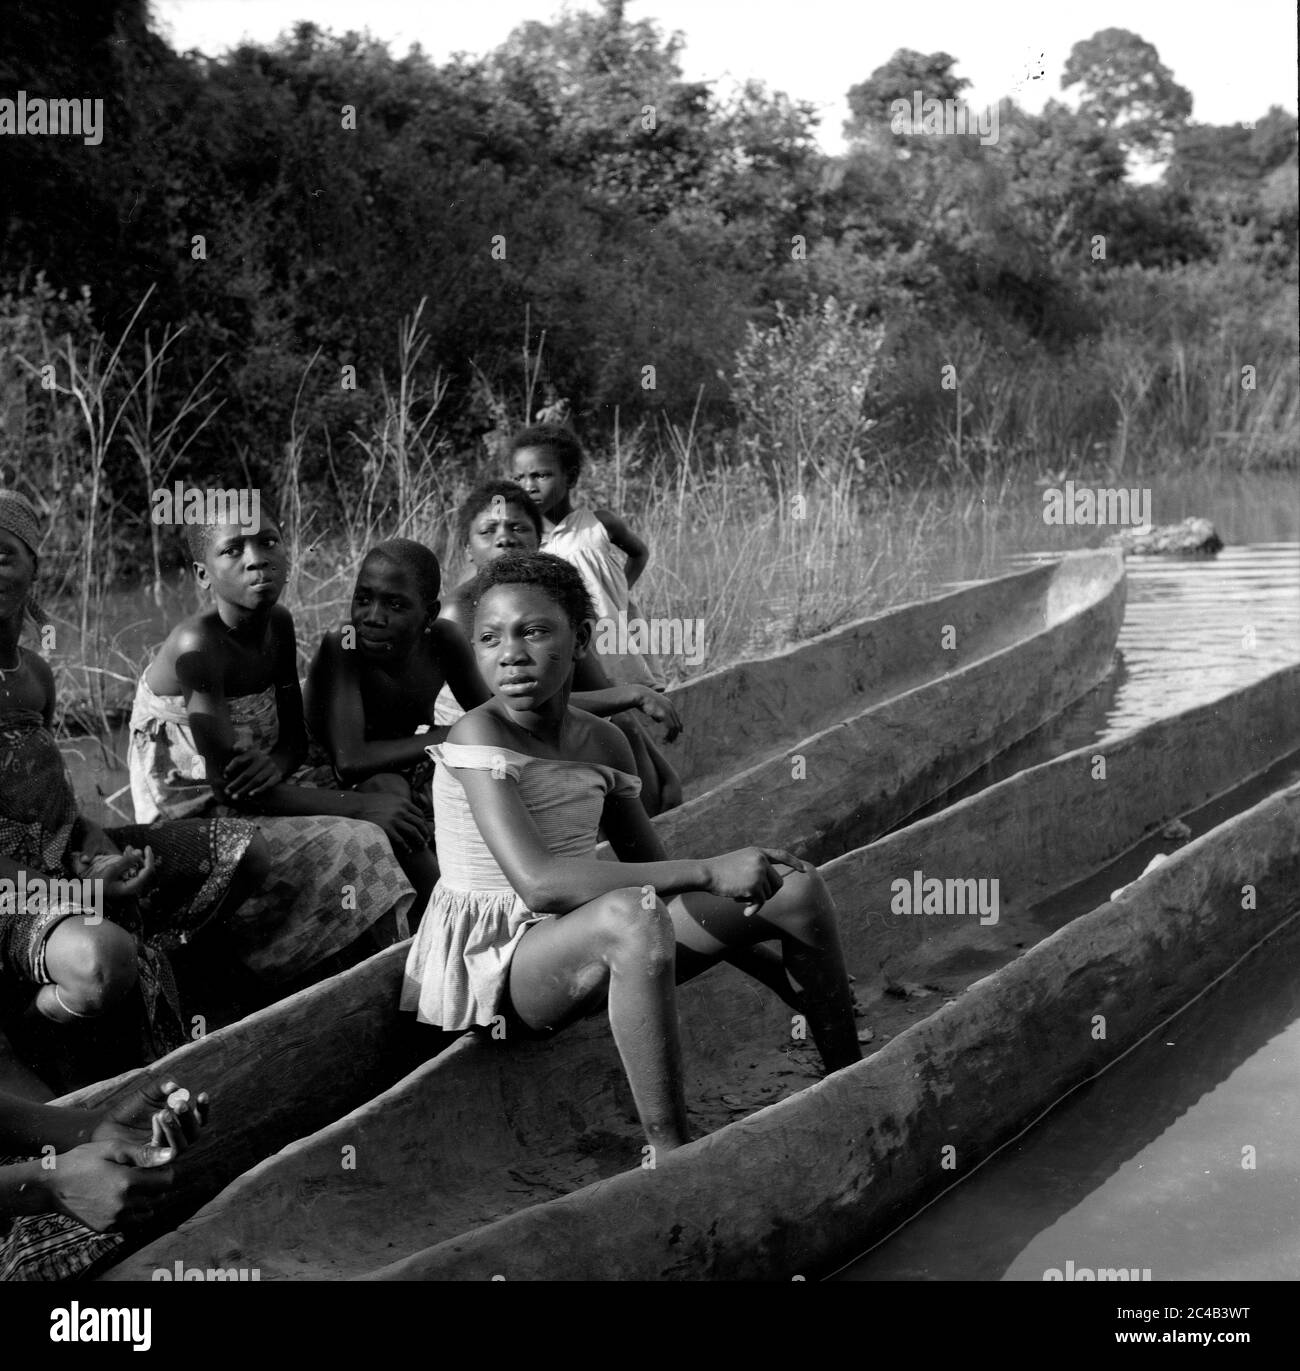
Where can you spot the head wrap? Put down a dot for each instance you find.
(17, 516)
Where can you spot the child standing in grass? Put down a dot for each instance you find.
(497, 519)
(218, 728)
(372, 684)
(547, 462)
(525, 922)
(60, 962)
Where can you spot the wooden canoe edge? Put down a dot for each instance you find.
(980, 708)
(1233, 740)
(825, 1172)
(812, 682)
(346, 1024)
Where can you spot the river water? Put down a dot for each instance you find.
(1180, 1160)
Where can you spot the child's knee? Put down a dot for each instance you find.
(94, 965)
(805, 903)
(635, 925)
(813, 889)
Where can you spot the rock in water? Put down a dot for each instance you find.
(1192, 538)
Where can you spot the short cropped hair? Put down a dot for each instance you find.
(198, 537)
(418, 561)
(484, 495)
(554, 438)
(551, 574)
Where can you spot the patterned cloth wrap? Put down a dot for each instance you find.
(51, 1247)
(331, 878)
(196, 862)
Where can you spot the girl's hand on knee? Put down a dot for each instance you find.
(749, 874)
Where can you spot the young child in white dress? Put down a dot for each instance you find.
(547, 463)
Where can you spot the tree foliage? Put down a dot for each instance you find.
(1126, 89)
(573, 182)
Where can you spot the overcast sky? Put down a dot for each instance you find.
(1236, 59)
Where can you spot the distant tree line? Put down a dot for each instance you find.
(572, 182)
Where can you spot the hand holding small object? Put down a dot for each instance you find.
(125, 875)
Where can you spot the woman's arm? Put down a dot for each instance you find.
(638, 553)
(555, 885)
(86, 836)
(24, 1189)
(290, 749)
(25, 1127)
(199, 673)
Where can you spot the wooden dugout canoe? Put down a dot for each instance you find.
(505, 1159)
(828, 744)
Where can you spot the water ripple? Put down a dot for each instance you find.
(1196, 629)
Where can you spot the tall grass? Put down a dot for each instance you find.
(854, 480)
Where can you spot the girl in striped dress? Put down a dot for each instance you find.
(527, 927)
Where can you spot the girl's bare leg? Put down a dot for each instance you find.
(670, 784)
(765, 965)
(802, 917)
(613, 949)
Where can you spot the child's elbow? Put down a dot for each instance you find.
(542, 893)
(349, 771)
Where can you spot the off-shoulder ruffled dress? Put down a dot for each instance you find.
(458, 968)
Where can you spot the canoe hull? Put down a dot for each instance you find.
(508, 1118)
(742, 715)
(853, 781)
(283, 1070)
(812, 1179)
